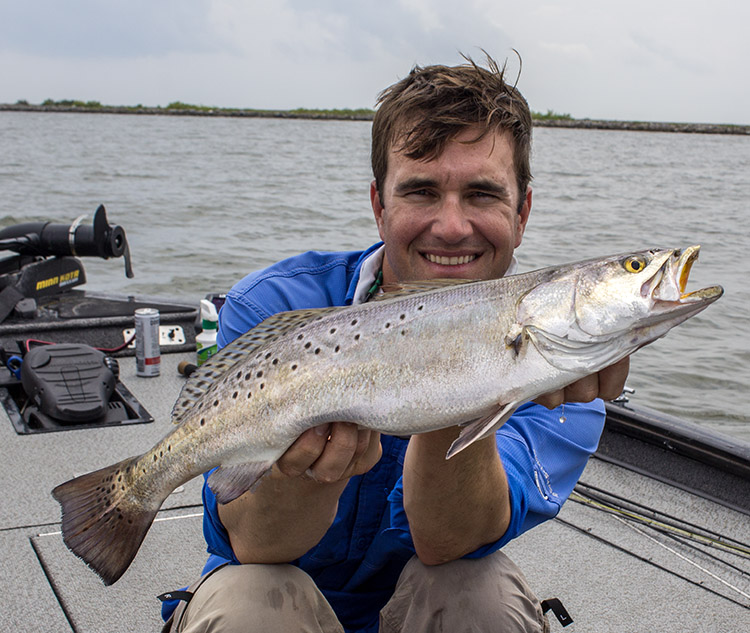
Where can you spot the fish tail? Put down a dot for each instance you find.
(101, 523)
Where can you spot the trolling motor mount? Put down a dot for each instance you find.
(46, 260)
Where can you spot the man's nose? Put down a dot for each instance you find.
(452, 223)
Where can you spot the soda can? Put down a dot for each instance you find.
(147, 354)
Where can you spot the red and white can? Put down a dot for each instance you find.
(147, 353)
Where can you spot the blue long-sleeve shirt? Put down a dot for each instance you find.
(358, 561)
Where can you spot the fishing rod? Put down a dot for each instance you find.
(688, 534)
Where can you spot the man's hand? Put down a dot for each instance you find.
(606, 384)
(331, 453)
(296, 503)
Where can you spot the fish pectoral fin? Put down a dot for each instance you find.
(579, 356)
(481, 428)
(230, 482)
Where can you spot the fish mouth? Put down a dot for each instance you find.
(667, 286)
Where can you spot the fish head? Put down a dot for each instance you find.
(587, 315)
(638, 291)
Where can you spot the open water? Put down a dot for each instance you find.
(206, 200)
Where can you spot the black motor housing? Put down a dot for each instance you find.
(68, 382)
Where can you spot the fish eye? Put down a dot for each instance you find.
(634, 264)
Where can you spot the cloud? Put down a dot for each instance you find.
(105, 29)
(627, 59)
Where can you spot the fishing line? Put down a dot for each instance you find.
(687, 543)
(685, 558)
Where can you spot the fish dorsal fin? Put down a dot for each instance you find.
(403, 289)
(236, 352)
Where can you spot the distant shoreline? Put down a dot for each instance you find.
(364, 115)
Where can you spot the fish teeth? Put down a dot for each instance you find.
(450, 261)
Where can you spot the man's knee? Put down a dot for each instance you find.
(477, 592)
(258, 598)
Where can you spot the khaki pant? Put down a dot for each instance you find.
(487, 594)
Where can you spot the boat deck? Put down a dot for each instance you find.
(612, 572)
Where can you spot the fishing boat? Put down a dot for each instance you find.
(656, 536)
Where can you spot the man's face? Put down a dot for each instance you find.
(457, 216)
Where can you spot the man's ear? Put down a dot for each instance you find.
(522, 217)
(377, 207)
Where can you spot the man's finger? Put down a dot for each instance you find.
(585, 389)
(338, 453)
(551, 400)
(307, 448)
(612, 379)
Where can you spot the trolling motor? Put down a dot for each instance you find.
(46, 260)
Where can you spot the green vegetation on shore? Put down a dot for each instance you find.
(178, 108)
(334, 113)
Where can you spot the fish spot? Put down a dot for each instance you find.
(239, 375)
(402, 317)
(337, 348)
(259, 374)
(317, 350)
(248, 376)
(308, 345)
(332, 330)
(356, 337)
(387, 325)
(169, 448)
(203, 421)
(262, 385)
(354, 322)
(403, 332)
(216, 403)
(268, 355)
(300, 337)
(235, 394)
(155, 458)
(294, 367)
(275, 361)
(249, 394)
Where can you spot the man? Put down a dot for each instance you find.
(354, 531)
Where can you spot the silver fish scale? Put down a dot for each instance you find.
(332, 368)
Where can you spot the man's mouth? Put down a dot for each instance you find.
(449, 261)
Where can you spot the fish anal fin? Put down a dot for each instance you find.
(481, 428)
(100, 524)
(230, 482)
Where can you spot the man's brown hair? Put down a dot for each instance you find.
(433, 104)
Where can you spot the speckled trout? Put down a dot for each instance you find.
(424, 357)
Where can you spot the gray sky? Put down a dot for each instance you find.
(658, 60)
